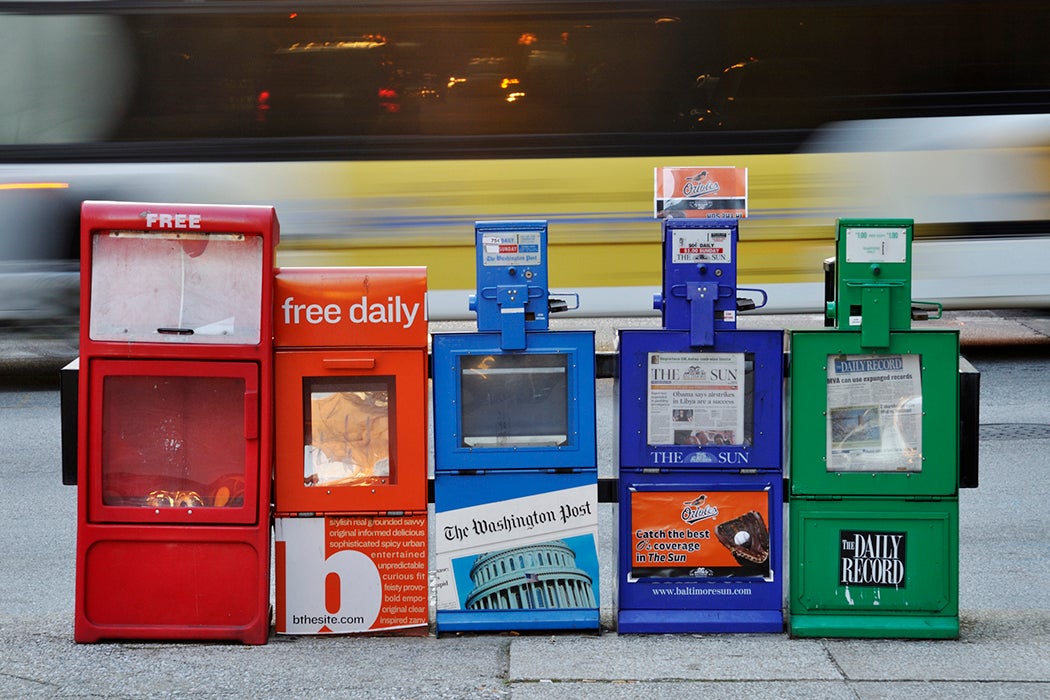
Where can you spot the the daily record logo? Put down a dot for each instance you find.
(872, 558)
(873, 364)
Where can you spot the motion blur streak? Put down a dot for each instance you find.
(381, 131)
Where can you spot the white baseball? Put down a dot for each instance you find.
(742, 537)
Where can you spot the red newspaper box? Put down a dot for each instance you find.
(175, 415)
(351, 455)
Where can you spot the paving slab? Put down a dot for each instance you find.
(614, 657)
(1013, 646)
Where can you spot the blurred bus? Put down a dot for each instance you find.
(382, 130)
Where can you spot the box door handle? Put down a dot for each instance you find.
(358, 363)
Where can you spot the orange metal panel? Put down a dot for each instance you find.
(351, 431)
(350, 307)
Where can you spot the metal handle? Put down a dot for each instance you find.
(337, 363)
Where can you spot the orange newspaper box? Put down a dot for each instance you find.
(351, 390)
(175, 422)
(351, 470)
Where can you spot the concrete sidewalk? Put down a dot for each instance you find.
(1003, 650)
(1003, 655)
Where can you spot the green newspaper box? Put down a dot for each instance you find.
(874, 456)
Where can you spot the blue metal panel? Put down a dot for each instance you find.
(699, 276)
(762, 447)
(654, 598)
(512, 292)
(455, 491)
(695, 621)
(489, 428)
(449, 621)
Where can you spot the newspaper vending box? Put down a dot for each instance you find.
(514, 452)
(700, 468)
(173, 526)
(351, 456)
(875, 454)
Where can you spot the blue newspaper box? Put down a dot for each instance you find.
(700, 451)
(515, 461)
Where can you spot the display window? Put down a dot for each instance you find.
(700, 399)
(174, 441)
(520, 409)
(176, 287)
(514, 400)
(874, 417)
(348, 425)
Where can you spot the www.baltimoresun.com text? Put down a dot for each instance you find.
(690, 590)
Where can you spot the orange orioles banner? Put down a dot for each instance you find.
(699, 533)
(707, 193)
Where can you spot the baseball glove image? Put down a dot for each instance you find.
(747, 537)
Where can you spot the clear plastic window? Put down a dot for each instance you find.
(176, 287)
(173, 441)
(348, 431)
(874, 413)
(701, 398)
(514, 400)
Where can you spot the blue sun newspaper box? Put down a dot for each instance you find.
(700, 451)
(515, 460)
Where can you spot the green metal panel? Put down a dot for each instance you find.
(874, 433)
(875, 330)
(873, 254)
(878, 567)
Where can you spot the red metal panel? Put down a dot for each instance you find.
(175, 422)
(173, 582)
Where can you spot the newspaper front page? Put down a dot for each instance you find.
(696, 399)
(874, 419)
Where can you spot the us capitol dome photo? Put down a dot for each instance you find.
(534, 576)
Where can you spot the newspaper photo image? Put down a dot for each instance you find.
(874, 413)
